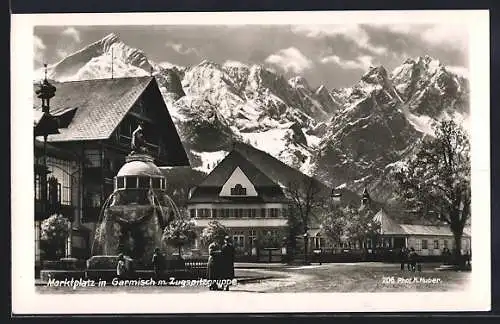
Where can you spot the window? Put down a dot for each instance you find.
(131, 182)
(62, 170)
(37, 240)
(446, 243)
(214, 213)
(273, 212)
(37, 187)
(424, 244)
(157, 183)
(263, 213)
(120, 182)
(436, 244)
(238, 190)
(192, 213)
(93, 199)
(252, 236)
(93, 157)
(239, 241)
(143, 182)
(203, 212)
(253, 213)
(418, 245)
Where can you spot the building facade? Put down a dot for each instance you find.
(238, 195)
(427, 240)
(96, 119)
(62, 194)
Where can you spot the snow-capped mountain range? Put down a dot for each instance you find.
(346, 137)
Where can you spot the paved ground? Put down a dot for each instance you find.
(332, 277)
(358, 277)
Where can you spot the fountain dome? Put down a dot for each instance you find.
(139, 171)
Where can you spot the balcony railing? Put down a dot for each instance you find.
(125, 140)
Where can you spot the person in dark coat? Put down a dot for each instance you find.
(157, 262)
(403, 257)
(227, 260)
(213, 264)
(412, 258)
(121, 267)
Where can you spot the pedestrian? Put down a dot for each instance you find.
(413, 259)
(403, 255)
(213, 265)
(157, 262)
(121, 268)
(227, 260)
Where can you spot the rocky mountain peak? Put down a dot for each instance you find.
(375, 75)
(299, 82)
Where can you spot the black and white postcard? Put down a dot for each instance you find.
(250, 162)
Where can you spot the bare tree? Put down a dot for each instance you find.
(308, 197)
(436, 181)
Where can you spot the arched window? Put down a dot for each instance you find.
(238, 190)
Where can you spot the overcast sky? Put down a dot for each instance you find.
(333, 55)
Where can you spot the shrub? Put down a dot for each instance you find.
(178, 233)
(214, 232)
(54, 233)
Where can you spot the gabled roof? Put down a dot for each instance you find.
(100, 105)
(226, 167)
(208, 190)
(279, 172)
(387, 225)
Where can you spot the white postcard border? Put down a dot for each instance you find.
(26, 300)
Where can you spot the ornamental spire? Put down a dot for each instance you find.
(46, 91)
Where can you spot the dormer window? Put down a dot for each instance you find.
(238, 190)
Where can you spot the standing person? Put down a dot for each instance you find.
(121, 268)
(403, 257)
(213, 264)
(413, 259)
(157, 262)
(227, 260)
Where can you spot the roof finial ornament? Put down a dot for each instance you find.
(46, 91)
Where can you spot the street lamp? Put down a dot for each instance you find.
(45, 126)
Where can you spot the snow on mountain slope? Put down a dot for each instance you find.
(348, 137)
(385, 115)
(209, 160)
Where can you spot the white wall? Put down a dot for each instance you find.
(238, 177)
(416, 242)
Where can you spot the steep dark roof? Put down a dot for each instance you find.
(100, 105)
(234, 159)
(208, 190)
(276, 170)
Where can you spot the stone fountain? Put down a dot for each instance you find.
(133, 217)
